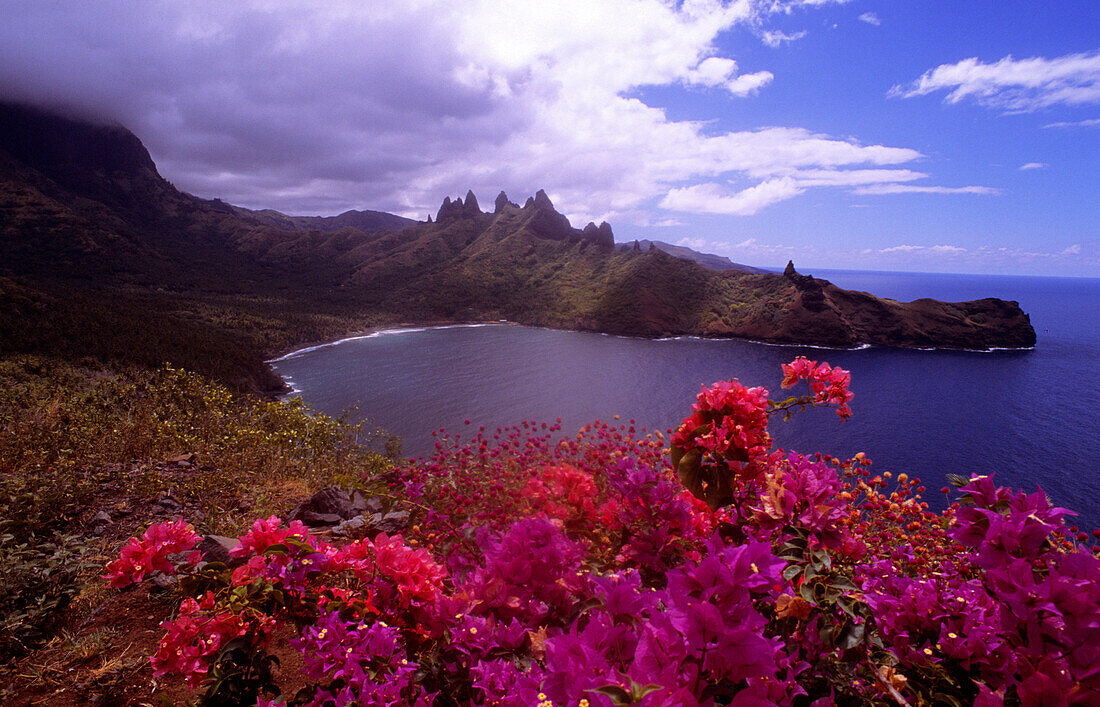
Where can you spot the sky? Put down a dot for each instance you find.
(913, 135)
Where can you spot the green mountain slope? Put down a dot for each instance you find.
(91, 234)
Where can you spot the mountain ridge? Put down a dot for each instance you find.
(84, 212)
(707, 260)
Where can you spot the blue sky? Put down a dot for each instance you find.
(925, 136)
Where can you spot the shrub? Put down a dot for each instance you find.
(73, 439)
(589, 572)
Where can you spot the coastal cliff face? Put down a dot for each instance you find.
(87, 224)
(852, 318)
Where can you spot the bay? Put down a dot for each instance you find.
(1028, 417)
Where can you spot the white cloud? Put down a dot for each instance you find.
(719, 71)
(1088, 123)
(710, 198)
(784, 183)
(392, 104)
(917, 189)
(909, 255)
(852, 177)
(751, 248)
(904, 256)
(693, 243)
(712, 71)
(1003, 253)
(870, 18)
(935, 249)
(747, 84)
(775, 38)
(1015, 85)
(1033, 165)
(788, 6)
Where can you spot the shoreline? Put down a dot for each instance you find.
(409, 327)
(289, 352)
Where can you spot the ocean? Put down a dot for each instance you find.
(1027, 417)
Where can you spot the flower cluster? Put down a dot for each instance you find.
(148, 554)
(563, 492)
(829, 385)
(267, 532)
(366, 664)
(802, 492)
(728, 421)
(1025, 627)
(193, 638)
(579, 572)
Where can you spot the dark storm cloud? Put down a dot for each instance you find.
(247, 101)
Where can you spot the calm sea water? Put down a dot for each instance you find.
(1030, 417)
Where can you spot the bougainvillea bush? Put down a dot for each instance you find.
(608, 569)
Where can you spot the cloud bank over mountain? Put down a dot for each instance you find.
(317, 108)
(726, 119)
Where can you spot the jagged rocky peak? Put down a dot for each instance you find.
(546, 221)
(605, 236)
(501, 202)
(542, 201)
(600, 234)
(457, 208)
(802, 281)
(538, 213)
(444, 209)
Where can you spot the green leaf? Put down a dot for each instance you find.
(791, 571)
(845, 605)
(616, 693)
(689, 468)
(844, 584)
(640, 692)
(853, 636)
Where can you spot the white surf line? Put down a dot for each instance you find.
(374, 334)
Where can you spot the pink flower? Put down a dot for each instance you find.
(192, 638)
(415, 572)
(729, 420)
(796, 370)
(829, 385)
(265, 533)
(150, 553)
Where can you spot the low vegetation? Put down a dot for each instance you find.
(623, 567)
(90, 455)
